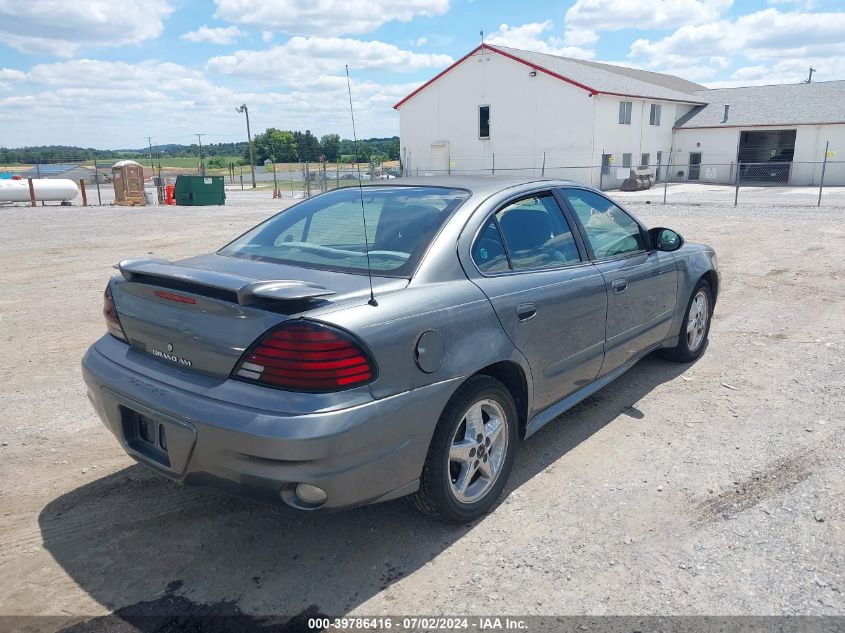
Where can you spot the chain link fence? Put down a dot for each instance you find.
(664, 178)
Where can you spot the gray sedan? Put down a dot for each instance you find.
(388, 340)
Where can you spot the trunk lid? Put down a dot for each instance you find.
(200, 314)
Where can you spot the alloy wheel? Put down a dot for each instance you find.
(478, 450)
(697, 320)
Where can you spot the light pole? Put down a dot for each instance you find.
(245, 110)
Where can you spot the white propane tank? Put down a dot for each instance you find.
(46, 190)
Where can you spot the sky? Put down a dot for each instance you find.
(110, 73)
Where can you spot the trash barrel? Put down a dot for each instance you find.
(169, 194)
(199, 190)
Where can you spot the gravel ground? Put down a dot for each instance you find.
(715, 488)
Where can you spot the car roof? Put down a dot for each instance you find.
(477, 185)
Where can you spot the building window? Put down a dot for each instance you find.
(644, 160)
(654, 115)
(484, 121)
(605, 163)
(626, 160)
(625, 112)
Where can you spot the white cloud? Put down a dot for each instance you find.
(613, 15)
(531, 37)
(10, 74)
(421, 41)
(302, 59)
(580, 37)
(266, 36)
(116, 104)
(789, 71)
(219, 35)
(60, 27)
(767, 34)
(331, 17)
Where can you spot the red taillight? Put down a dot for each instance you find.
(306, 356)
(112, 320)
(172, 296)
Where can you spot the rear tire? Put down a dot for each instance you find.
(695, 329)
(471, 453)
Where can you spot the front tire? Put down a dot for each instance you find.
(471, 453)
(695, 329)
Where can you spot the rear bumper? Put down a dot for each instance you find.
(368, 452)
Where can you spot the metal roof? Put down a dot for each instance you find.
(594, 77)
(820, 102)
(609, 79)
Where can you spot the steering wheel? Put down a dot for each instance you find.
(486, 245)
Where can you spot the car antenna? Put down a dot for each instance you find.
(372, 300)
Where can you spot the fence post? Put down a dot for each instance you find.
(668, 175)
(82, 191)
(738, 177)
(824, 165)
(31, 192)
(494, 162)
(543, 170)
(97, 180)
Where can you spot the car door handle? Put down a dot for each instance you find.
(619, 285)
(526, 311)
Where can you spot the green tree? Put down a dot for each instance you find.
(282, 146)
(330, 144)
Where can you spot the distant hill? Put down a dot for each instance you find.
(309, 150)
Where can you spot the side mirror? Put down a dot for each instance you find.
(663, 239)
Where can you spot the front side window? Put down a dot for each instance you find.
(536, 234)
(654, 115)
(327, 231)
(625, 112)
(483, 121)
(609, 229)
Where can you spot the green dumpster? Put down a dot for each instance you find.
(199, 191)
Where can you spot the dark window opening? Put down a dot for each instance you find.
(654, 115)
(483, 121)
(625, 112)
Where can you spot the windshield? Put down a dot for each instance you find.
(328, 231)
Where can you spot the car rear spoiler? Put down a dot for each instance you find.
(247, 291)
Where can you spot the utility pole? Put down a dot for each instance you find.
(150, 141)
(810, 78)
(202, 164)
(245, 110)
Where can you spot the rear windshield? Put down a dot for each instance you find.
(328, 231)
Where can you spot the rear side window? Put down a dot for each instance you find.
(328, 231)
(488, 252)
(609, 229)
(536, 236)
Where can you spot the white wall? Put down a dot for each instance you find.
(718, 147)
(529, 116)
